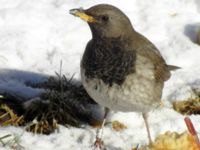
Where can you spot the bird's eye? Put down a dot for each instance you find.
(105, 18)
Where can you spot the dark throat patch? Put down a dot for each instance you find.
(107, 59)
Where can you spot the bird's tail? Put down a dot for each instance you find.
(172, 68)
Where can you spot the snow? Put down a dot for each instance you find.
(37, 35)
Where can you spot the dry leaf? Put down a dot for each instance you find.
(118, 126)
(173, 141)
(188, 107)
(8, 117)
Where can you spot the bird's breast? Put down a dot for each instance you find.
(120, 79)
(135, 94)
(108, 61)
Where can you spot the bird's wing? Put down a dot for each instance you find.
(146, 49)
(161, 70)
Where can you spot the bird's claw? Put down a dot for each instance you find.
(98, 143)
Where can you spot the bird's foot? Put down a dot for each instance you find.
(98, 144)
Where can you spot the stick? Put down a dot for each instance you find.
(192, 130)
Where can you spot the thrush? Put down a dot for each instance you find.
(120, 68)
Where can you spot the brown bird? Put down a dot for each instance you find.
(121, 69)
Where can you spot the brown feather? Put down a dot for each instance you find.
(145, 48)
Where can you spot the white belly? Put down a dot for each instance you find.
(132, 95)
(139, 92)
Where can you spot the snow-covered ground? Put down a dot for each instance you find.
(37, 35)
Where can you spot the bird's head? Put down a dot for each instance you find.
(105, 21)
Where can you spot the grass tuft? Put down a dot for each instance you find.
(11, 141)
(189, 106)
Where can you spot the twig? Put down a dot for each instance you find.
(3, 137)
(192, 130)
(61, 82)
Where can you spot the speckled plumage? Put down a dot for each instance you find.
(137, 93)
(105, 59)
(122, 70)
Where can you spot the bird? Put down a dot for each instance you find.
(120, 68)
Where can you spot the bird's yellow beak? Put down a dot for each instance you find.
(81, 14)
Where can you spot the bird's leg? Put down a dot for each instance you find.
(98, 141)
(145, 117)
